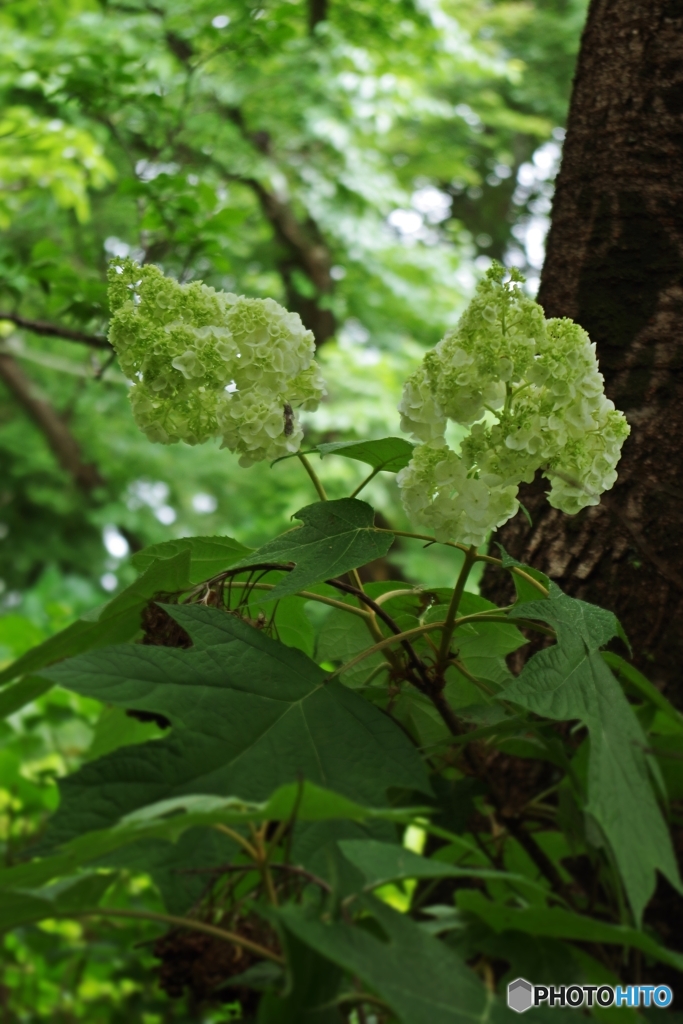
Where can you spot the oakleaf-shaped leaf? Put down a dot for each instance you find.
(62, 899)
(165, 568)
(380, 863)
(556, 922)
(310, 995)
(208, 555)
(422, 980)
(336, 536)
(116, 621)
(571, 681)
(247, 715)
(525, 590)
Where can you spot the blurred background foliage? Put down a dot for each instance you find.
(360, 162)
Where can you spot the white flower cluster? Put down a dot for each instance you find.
(531, 391)
(211, 364)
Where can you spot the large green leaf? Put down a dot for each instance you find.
(208, 555)
(558, 923)
(70, 897)
(24, 692)
(168, 821)
(643, 687)
(336, 536)
(571, 681)
(380, 863)
(115, 622)
(341, 638)
(526, 591)
(247, 714)
(166, 569)
(309, 998)
(418, 976)
(388, 454)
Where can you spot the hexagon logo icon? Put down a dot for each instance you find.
(520, 995)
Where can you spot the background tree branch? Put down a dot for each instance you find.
(63, 444)
(56, 331)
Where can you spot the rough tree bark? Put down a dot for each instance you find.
(615, 265)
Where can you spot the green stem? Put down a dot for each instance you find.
(449, 625)
(239, 839)
(386, 642)
(307, 596)
(390, 594)
(530, 624)
(489, 559)
(313, 475)
(180, 922)
(432, 627)
(364, 482)
(472, 678)
(371, 621)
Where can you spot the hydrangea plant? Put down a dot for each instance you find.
(212, 364)
(532, 394)
(280, 775)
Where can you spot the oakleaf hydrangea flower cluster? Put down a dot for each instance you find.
(532, 394)
(211, 364)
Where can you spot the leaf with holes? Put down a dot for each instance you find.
(247, 715)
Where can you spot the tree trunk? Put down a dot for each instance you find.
(615, 265)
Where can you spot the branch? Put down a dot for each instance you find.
(399, 638)
(180, 922)
(446, 636)
(55, 331)
(489, 559)
(246, 868)
(311, 254)
(307, 595)
(305, 243)
(62, 443)
(415, 662)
